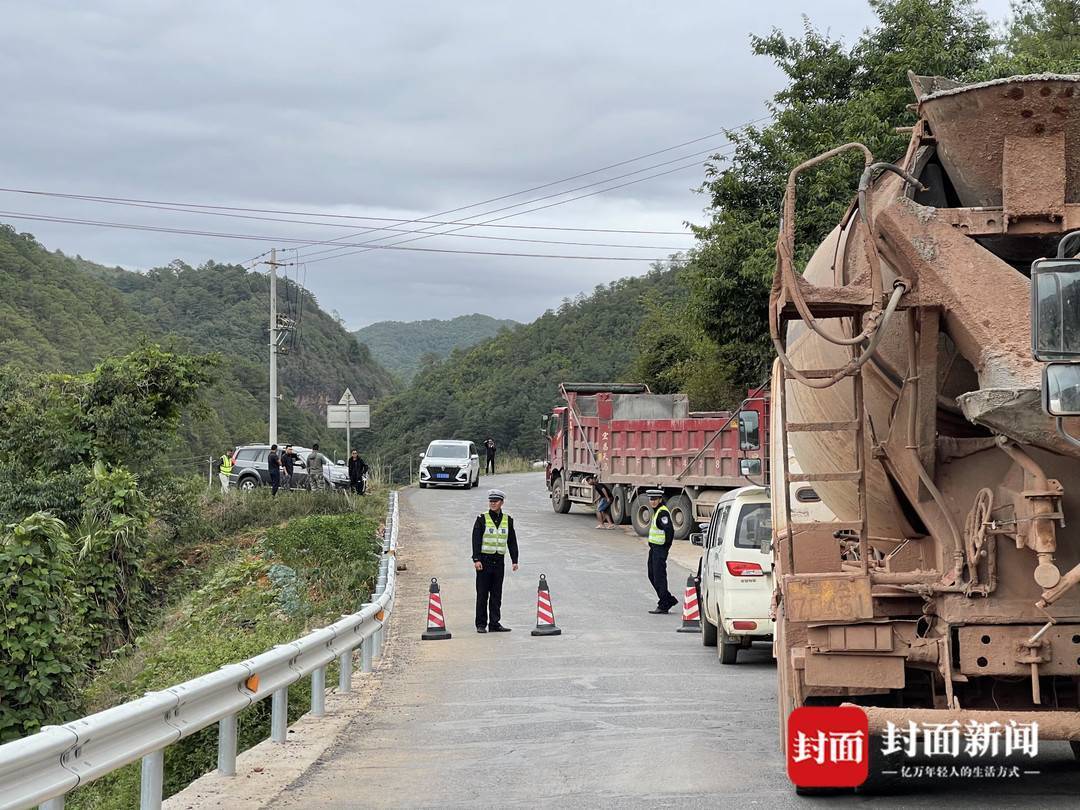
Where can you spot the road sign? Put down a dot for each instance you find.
(347, 398)
(348, 416)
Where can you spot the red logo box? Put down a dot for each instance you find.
(828, 746)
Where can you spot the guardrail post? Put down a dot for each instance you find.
(279, 715)
(53, 804)
(345, 672)
(318, 692)
(226, 746)
(365, 654)
(153, 778)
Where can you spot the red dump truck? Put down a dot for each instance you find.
(633, 439)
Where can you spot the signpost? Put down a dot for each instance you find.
(348, 414)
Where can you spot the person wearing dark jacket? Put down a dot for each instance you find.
(288, 462)
(661, 534)
(357, 469)
(493, 536)
(273, 466)
(489, 452)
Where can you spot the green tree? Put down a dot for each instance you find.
(834, 94)
(1043, 36)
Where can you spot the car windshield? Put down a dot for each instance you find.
(755, 525)
(447, 450)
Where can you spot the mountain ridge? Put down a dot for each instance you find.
(402, 346)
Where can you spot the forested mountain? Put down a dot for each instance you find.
(64, 314)
(502, 386)
(400, 346)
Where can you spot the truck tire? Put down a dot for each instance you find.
(641, 515)
(620, 506)
(682, 515)
(560, 501)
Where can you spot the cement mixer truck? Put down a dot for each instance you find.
(933, 403)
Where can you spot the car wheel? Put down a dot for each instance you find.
(708, 629)
(248, 484)
(560, 501)
(708, 632)
(729, 646)
(476, 482)
(641, 515)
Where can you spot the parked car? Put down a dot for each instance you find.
(736, 572)
(450, 462)
(250, 468)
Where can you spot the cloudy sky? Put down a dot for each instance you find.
(399, 111)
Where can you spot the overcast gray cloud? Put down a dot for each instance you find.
(396, 110)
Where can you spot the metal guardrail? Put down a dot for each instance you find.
(42, 768)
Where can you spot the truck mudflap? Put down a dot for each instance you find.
(1053, 725)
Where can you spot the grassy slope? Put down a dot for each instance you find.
(253, 590)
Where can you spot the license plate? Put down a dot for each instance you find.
(442, 475)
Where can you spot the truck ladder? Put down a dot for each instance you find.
(856, 476)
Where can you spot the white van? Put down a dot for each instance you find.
(451, 463)
(736, 574)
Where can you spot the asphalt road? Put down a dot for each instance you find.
(618, 711)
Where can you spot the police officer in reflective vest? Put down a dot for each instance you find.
(492, 536)
(661, 534)
(224, 469)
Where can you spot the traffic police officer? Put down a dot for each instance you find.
(661, 534)
(492, 536)
(224, 470)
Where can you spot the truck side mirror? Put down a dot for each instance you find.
(749, 467)
(1055, 309)
(749, 430)
(1061, 389)
(766, 545)
(697, 538)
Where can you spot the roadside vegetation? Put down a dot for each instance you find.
(267, 587)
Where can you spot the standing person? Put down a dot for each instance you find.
(603, 498)
(357, 469)
(661, 534)
(314, 469)
(288, 462)
(489, 449)
(224, 469)
(492, 536)
(273, 463)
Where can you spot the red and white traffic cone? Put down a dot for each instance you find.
(545, 613)
(691, 616)
(436, 624)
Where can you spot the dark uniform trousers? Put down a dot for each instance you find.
(658, 575)
(489, 582)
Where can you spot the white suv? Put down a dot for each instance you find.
(736, 572)
(450, 462)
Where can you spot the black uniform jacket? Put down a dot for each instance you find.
(478, 535)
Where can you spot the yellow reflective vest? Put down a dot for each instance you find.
(494, 539)
(656, 534)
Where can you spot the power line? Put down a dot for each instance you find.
(167, 207)
(563, 180)
(202, 208)
(465, 224)
(264, 238)
(371, 246)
